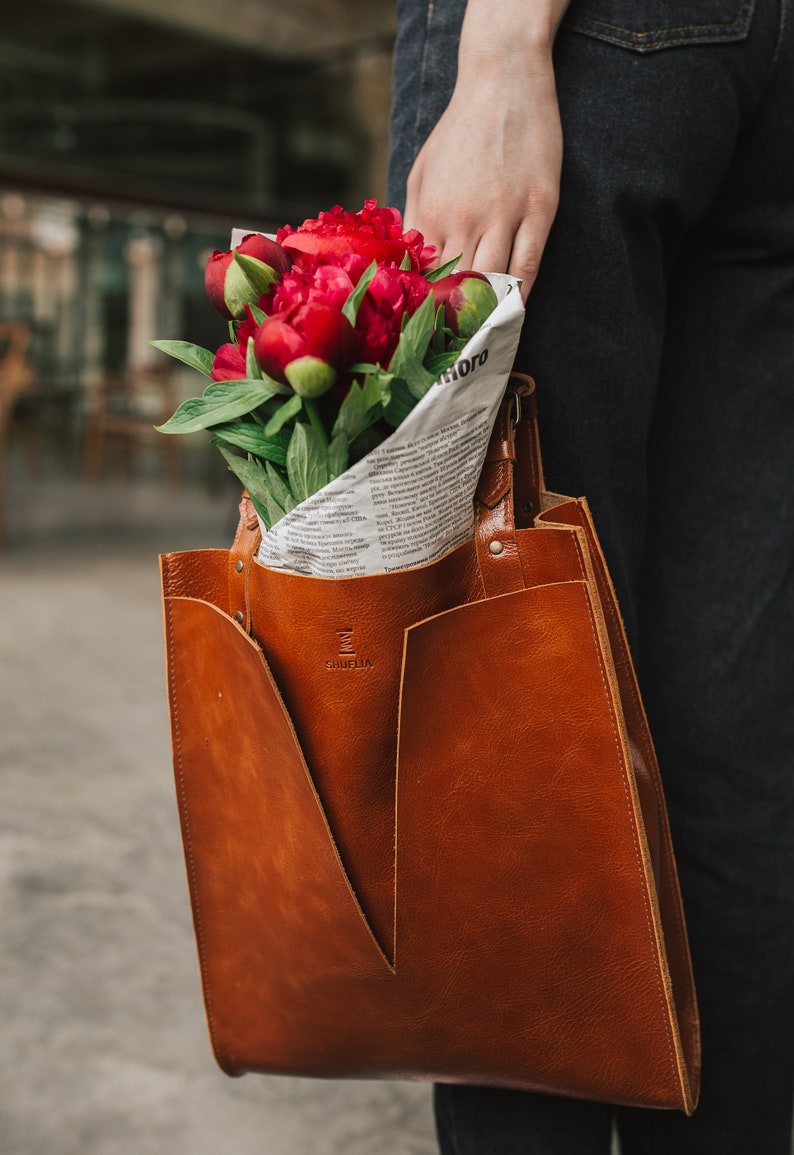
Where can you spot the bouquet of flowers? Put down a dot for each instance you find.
(339, 330)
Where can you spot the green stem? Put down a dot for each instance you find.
(315, 420)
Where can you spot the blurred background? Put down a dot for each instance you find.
(134, 134)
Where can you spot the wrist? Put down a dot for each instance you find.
(509, 34)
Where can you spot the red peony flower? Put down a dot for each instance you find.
(374, 233)
(228, 288)
(324, 285)
(229, 362)
(391, 293)
(468, 300)
(306, 347)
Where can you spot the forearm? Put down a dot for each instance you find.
(486, 182)
(497, 34)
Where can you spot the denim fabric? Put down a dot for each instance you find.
(661, 334)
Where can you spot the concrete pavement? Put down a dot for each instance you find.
(103, 1049)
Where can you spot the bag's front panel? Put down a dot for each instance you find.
(335, 648)
(516, 817)
(281, 939)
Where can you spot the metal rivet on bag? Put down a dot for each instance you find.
(497, 547)
(238, 617)
(240, 566)
(527, 506)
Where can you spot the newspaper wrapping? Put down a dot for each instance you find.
(410, 500)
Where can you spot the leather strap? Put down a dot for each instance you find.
(528, 475)
(508, 492)
(244, 547)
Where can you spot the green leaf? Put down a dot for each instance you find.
(405, 263)
(260, 276)
(352, 415)
(439, 362)
(438, 343)
(258, 315)
(254, 478)
(453, 343)
(363, 404)
(232, 333)
(377, 391)
(252, 370)
(190, 354)
(276, 386)
(401, 403)
(279, 488)
(252, 439)
(338, 455)
(283, 414)
(444, 271)
(307, 462)
(410, 352)
(222, 401)
(366, 442)
(274, 510)
(351, 305)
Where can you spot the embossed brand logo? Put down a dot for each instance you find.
(345, 642)
(346, 659)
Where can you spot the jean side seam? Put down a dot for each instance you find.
(781, 37)
(423, 66)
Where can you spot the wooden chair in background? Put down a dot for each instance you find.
(127, 408)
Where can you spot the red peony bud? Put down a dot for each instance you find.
(230, 287)
(305, 347)
(229, 361)
(468, 301)
(228, 364)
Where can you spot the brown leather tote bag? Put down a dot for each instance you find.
(422, 817)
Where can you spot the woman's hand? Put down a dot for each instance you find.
(486, 183)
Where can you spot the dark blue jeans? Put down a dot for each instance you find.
(661, 334)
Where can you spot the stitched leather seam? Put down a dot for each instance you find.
(191, 865)
(638, 856)
(650, 758)
(580, 555)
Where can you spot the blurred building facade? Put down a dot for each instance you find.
(134, 134)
